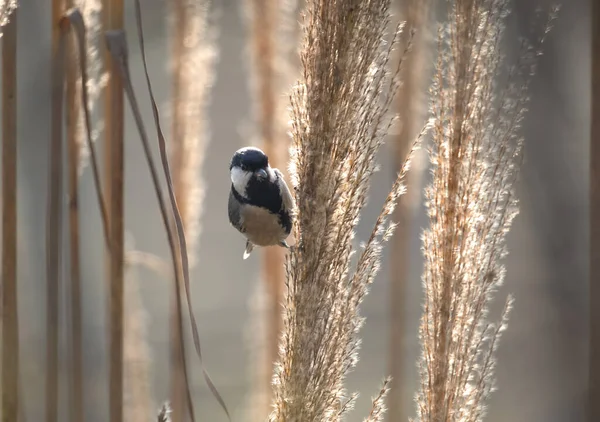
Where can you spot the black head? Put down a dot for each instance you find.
(249, 159)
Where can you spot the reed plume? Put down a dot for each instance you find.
(6, 9)
(272, 44)
(96, 79)
(339, 120)
(411, 106)
(194, 57)
(471, 203)
(137, 374)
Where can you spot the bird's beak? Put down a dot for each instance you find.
(261, 174)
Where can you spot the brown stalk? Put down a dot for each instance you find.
(72, 117)
(594, 374)
(54, 210)
(114, 168)
(413, 13)
(178, 385)
(10, 326)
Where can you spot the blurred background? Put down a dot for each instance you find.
(542, 358)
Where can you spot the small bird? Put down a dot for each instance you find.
(260, 203)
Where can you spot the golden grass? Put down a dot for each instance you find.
(340, 116)
(471, 203)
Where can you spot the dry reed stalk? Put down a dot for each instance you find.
(471, 203)
(114, 168)
(593, 406)
(193, 57)
(410, 98)
(10, 325)
(73, 116)
(54, 210)
(339, 120)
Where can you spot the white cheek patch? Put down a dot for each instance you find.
(271, 174)
(240, 179)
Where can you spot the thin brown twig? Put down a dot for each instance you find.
(10, 326)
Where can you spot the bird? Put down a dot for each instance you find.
(260, 206)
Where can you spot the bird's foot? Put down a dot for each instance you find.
(249, 247)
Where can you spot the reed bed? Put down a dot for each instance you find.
(341, 112)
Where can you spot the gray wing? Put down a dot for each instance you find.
(234, 209)
(286, 195)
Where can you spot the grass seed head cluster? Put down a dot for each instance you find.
(340, 116)
(477, 105)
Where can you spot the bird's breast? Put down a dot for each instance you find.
(262, 227)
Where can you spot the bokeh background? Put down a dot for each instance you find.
(542, 369)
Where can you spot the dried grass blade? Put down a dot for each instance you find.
(117, 46)
(10, 327)
(76, 19)
(178, 154)
(176, 214)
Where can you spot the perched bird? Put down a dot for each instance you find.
(260, 203)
